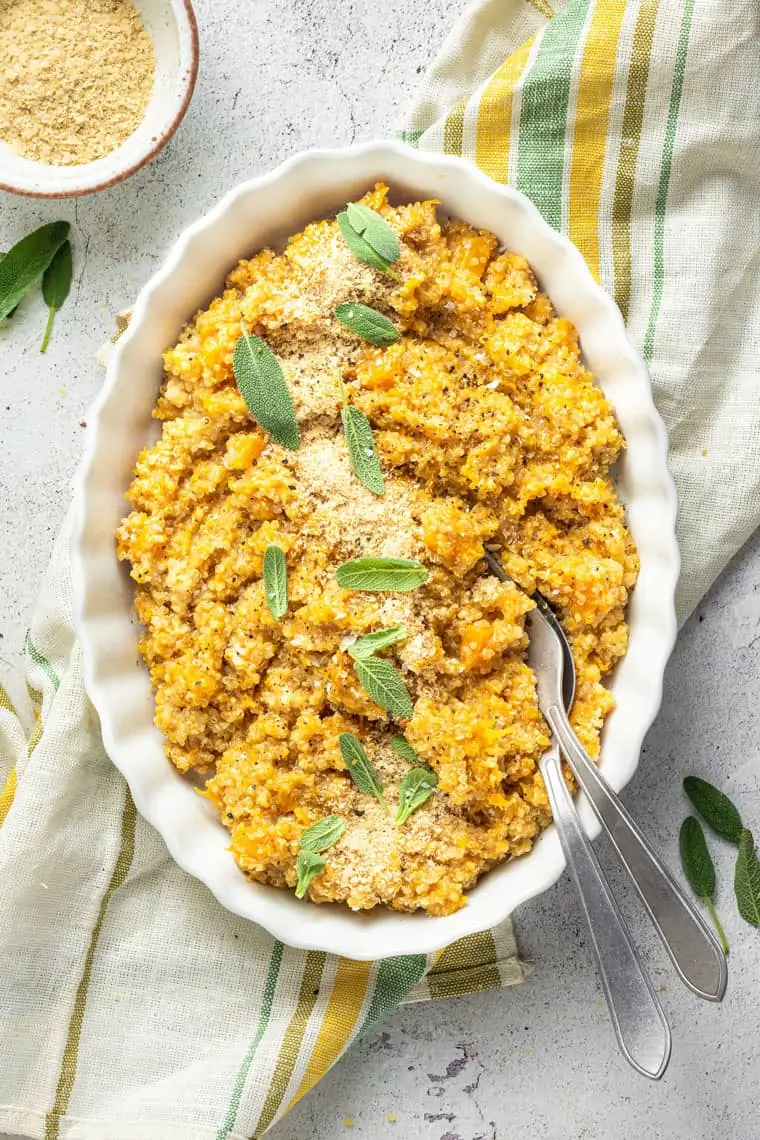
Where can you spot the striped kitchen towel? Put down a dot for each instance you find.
(132, 1006)
(635, 129)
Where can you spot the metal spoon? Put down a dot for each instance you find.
(693, 949)
(642, 1032)
(637, 1017)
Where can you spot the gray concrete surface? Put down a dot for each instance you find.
(539, 1060)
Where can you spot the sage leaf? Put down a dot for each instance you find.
(26, 261)
(416, 787)
(375, 230)
(56, 283)
(747, 879)
(315, 839)
(368, 324)
(360, 248)
(276, 581)
(369, 237)
(308, 866)
(403, 748)
(262, 385)
(360, 768)
(13, 310)
(361, 449)
(398, 575)
(716, 809)
(699, 869)
(370, 643)
(322, 834)
(697, 864)
(385, 685)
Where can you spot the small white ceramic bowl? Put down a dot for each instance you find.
(266, 211)
(173, 29)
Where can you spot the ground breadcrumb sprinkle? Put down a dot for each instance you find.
(76, 77)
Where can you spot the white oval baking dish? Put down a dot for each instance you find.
(266, 211)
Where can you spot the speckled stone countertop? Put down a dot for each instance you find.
(539, 1060)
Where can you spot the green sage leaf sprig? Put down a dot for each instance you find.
(26, 261)
(371, 643)
(261, 383)
(403, 748)
(361, 446)
(415, 789)
(378, 678)
(399, 575)
(747, 879)
(369, 237)
(385, 685)
(368, 324)
(314, 840)
(723, 817)
(56, 283)
(699, 869)
(46, 253)
(716, 809)
(308, 866)
(360, 767)
(275, 573)
(322, 834)
(15, 307)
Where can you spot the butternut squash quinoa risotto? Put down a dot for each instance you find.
(442, 408)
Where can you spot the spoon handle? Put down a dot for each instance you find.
(695, 952)
(640, 1026)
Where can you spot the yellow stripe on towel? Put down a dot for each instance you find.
(592, 113)
(341, 1016)
(6, 795)
(495, 116)
(291, 1042)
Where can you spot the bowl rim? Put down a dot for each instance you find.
(432, 934)
(189, 87)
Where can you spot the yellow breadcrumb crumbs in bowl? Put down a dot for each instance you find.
(490, 430)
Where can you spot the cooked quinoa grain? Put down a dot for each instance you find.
(490, 430)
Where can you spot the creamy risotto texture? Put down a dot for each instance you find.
(490, 431)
